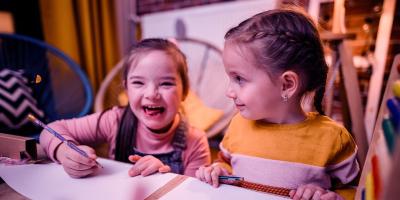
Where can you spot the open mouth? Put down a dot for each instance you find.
(153, 110)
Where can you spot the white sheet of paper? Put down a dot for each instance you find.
(196, 189)
(49, 181)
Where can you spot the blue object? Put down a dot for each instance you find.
(231, 178)
(64, 90)
(393, 105)
(363, 194)
(388, 132)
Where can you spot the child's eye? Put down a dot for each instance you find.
(167, 83)
(137, 83)
(238, 80)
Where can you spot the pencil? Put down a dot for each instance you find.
(60, 137)
(233, 178)
(240, 182)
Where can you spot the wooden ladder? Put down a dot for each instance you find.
(353, 114)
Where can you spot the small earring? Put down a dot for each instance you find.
(285, 98)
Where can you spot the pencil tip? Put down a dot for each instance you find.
(99, 165)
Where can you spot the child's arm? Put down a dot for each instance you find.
(341, 166)
(344, 168)
(80, 131)
(197, 152)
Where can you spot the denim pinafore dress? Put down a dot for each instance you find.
(173, 158)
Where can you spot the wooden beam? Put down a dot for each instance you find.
(380, 54)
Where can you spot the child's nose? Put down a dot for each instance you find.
(152, 92)
(230, 93)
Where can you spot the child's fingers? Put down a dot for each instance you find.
(299, 193)
(137, 168)
(134, 158)
(76, 165)
(308, 191)
(90, 152)
(73, 173)
(76, 161)
(224, 172)
(317, 195)
(134, 171)
(149, 170)
(207, 175)
(215, 172)
(79, 173)
(145, 165)
(150, 167)
(307, 194)
(164, 169)
(331, 195)
(291, 193)
(78, 158)
(199, 173)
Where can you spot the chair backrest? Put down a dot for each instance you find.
(207, 80)
(63, 91)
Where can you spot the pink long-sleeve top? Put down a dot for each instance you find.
(83, 131)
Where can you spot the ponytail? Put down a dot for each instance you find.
(318, 97)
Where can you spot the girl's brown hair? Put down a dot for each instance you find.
(286, 39)
(127, 128)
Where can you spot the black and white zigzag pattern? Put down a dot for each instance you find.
(16, 100)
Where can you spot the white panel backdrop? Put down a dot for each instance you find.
(208, 23)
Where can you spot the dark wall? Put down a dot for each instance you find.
(26, 15)
(150, 6)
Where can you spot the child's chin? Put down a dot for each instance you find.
(248, 115)
(245, 114)
(156, 125)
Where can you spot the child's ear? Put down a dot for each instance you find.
(290, 83)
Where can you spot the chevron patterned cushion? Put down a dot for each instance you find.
(16, 102)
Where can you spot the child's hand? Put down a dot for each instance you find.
(314, 192)
(211, 173)
(75, 164)
(146, 165)
(331, 195)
